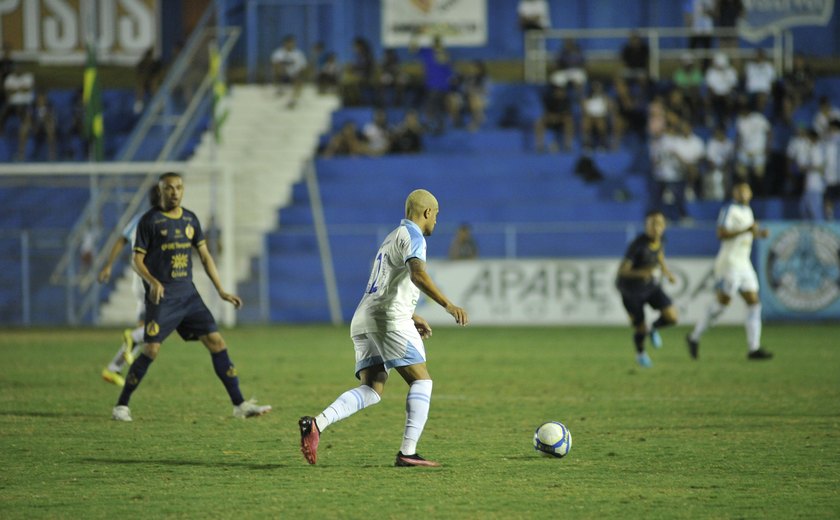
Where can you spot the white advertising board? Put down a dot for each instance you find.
(561, 292)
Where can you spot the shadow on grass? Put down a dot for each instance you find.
(195, 463)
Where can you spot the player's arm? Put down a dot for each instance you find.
(155, 287)
(665, 271)
(105, 273)
(422, 326)
(725, 233)
(420, 278)
(625, 270)
(213, 274)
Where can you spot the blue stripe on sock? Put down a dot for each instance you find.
(419, 397)
(360, 401)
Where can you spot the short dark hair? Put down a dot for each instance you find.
(653, 213)
(168, 175)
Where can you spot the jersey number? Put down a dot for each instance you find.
(375, 274)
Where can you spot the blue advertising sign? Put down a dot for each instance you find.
(799, 271)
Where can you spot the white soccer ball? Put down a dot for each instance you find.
(552, 439)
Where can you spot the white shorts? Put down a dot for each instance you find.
(396, 348)
(755, 160)
(737, 281)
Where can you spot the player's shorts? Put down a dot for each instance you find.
(395, 348)
(757, 160)
(736, 281)
(634, 302)
(188, 315)
(832, 193)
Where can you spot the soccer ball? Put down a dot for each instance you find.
(552, 439)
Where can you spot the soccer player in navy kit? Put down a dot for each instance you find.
(639, 286)
(163, 259)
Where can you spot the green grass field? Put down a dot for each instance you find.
(716, 438)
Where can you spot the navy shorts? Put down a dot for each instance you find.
(188, 315)
(634, 301)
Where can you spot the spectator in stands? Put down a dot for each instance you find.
(20, 93)
(678, 105)
(698, 15)
(346, 142)
(569, 67)
(727, 15)
(720, 152)
(393, 82)
(689, 149)
(689, 79)
(147, 75)
(377, 133)
(38, 121)
(469, 92)
(359, 75)
(721, 82)
(288, 66)
(408, 136)
(6, 67)
(811, 205)
(328, 75)
(631, 108)
(534, 15)
(825, 113)
(669, 185)
(831, 148)
(657, 118)
(463, 245)
(557, 116)
(796, 87)
(598, 114)
(635, 56)
(759, 77)
(752, 145)
(438, 79)
(797, 155)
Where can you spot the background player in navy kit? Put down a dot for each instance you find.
(162, 257)
(638, 285)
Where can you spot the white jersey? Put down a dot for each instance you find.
(735, 252)
(129, 233)
(293, 61)
(390, 296)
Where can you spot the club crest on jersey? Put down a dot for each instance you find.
(164, 232)
(189, 231)
(152, 328)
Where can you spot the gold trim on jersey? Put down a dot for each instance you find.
(139, 250)
(180, 214)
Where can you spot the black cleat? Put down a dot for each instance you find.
(693, 346)
(759, 355)
(408, 461)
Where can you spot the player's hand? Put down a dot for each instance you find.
(104, 274)
(458, 313)
(422, 326)
(156, 292)
(232, 298)
(762, 233)
(671, 278)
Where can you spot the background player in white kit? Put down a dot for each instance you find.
(387, 334)
(132, 338)
(734, 271)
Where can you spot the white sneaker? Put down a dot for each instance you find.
(121, 413)
(250, 408)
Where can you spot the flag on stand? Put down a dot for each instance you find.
(219, 91)
(92, 98)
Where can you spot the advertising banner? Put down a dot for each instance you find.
(562, 292)
(56, 31)
(799, 271)
(762, 16)
(460, 22)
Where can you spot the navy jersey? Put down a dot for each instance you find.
(167, 243)
(643, 253)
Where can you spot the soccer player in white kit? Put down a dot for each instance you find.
(388, 334)
(132, 338)
(734, 271)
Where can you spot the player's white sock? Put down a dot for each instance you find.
(753, 326)
(346, 405)
(416, 412)
(137, 335)
(712, 312)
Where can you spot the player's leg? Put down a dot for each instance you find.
(667, 315)
(725, 287)
(749, 292)
(227, 374)
(135, 375)
(417, 403)
(371, 372)
(634, 304)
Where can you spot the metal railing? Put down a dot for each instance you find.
(538, 57)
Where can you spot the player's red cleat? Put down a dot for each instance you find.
(309, 438)
(414, 460)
